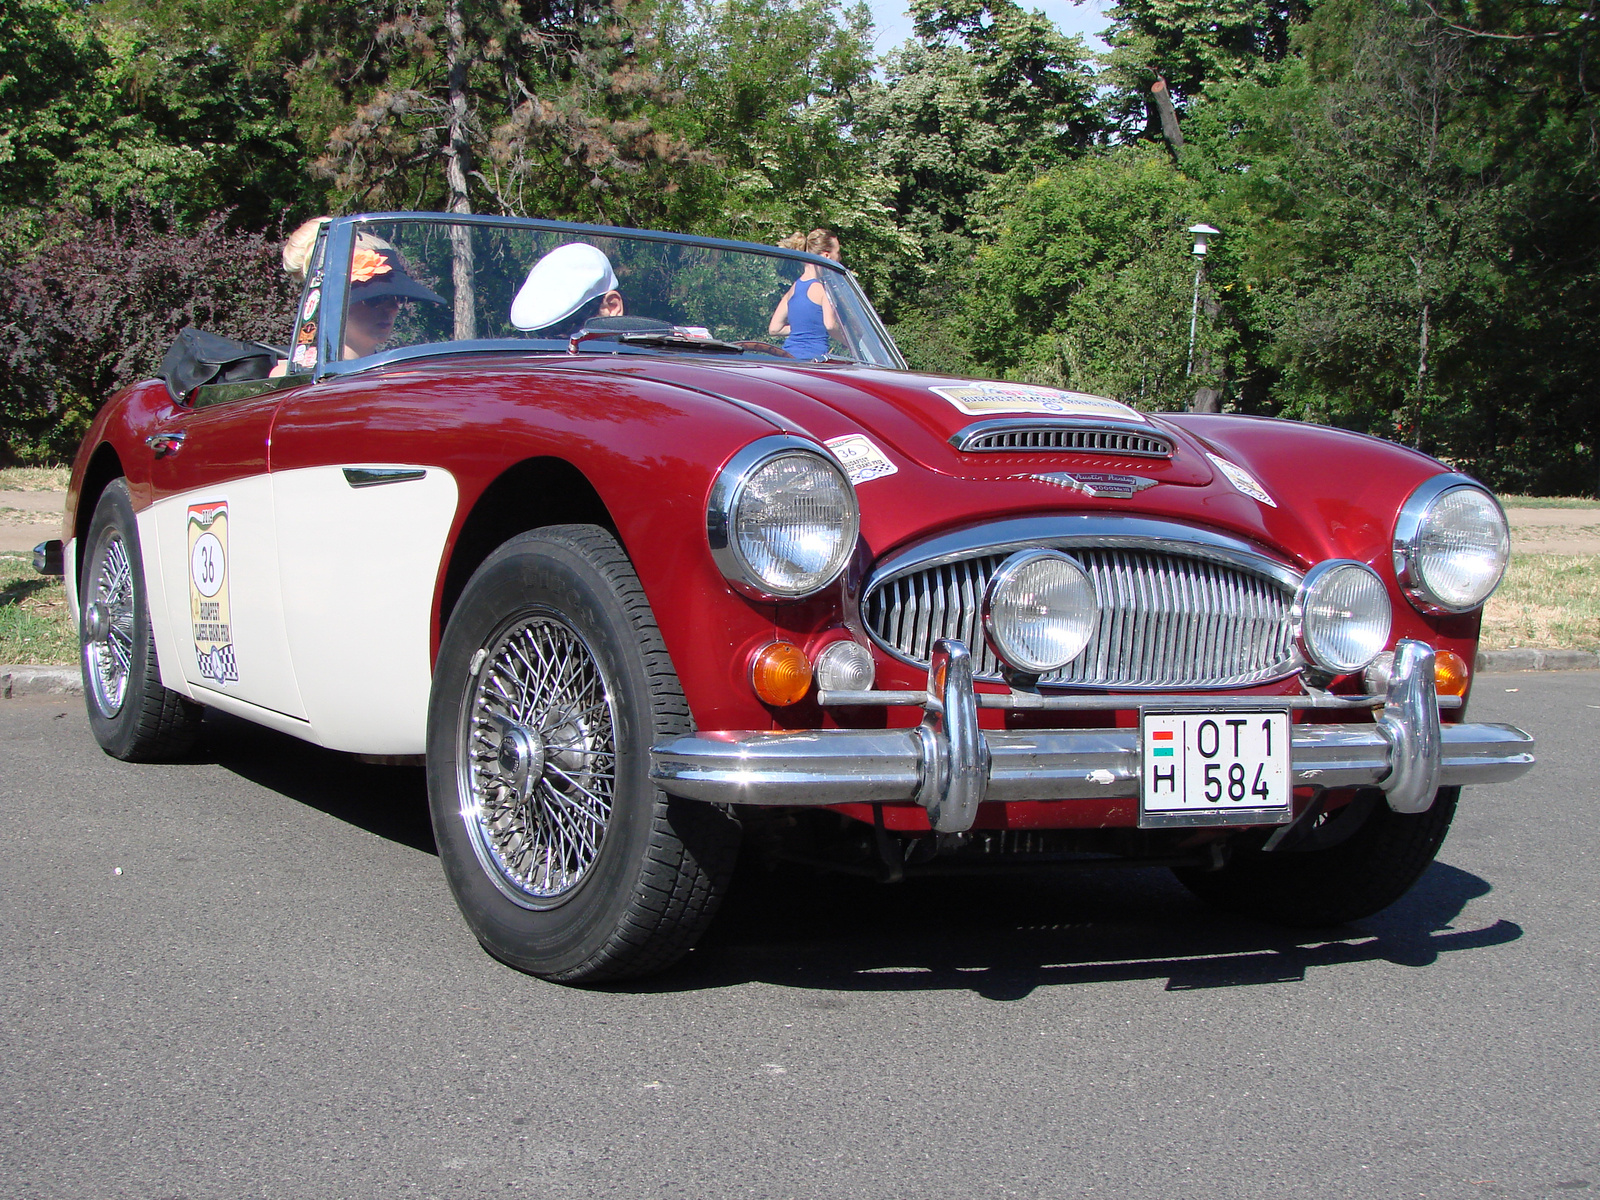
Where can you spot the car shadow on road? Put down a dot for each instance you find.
(1004, 937)
(1001, 937)
(390, 802)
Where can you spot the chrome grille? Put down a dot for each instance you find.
(1167, 619)
(1017, 437)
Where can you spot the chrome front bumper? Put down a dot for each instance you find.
(950, 766)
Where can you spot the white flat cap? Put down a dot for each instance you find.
(560, 283)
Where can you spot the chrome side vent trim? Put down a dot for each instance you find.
(1035, 436)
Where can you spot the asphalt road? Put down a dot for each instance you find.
(276, 998)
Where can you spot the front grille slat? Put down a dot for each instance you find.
(1167, 619)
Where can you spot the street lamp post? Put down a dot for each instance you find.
(1202, 242)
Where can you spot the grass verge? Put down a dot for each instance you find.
(34, 626)
(34, 479)
(1548, 601)
(1549, 502)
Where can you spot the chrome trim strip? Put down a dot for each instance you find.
(209, 394)
(1201, 702)
(1104, 530)
(365, 477)
(980, 436)
(1407, 527)
(949, 766)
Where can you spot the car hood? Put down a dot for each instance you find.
(1303, 493)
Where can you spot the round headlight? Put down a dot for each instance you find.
(1039, 611)
(782, 521)
(1451, 545)
(1341, 616)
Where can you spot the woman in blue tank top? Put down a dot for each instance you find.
(805, 314)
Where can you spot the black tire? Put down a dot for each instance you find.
(132, 715)
(555, 874)
(1349, 872)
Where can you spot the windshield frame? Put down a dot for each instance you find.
(340, 237)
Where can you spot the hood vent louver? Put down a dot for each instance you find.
(1035, 436)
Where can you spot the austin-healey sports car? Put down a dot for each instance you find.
(551, 510)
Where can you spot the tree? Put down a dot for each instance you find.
(1087, 285)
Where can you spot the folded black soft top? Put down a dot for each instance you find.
(197, 357)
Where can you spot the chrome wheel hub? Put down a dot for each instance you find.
(537, 771)
(108, 624)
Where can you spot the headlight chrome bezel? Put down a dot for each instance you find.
(1408, 529)
(1002, 578)
(722, 507)
(1306, 639)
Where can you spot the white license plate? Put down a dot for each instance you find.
(1214, 768)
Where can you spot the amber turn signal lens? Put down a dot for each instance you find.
(1450, 676)
(781, 673)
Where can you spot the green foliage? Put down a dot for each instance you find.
(1088, 284)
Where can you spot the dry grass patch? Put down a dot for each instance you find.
(34, 625)
(1548, 601)
(1549, 502)
(34, 479)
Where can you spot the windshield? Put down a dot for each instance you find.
(432, 281)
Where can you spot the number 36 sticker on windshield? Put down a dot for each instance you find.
(1214, 768)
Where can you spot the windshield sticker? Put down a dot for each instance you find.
(313, 298)
(208, 592)
(861, 460)
(1243, 480)
(981, 398)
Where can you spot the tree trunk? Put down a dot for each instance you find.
(1169, 115)
(457, 170)
(1422, 360)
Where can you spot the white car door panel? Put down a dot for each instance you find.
(361, 548)
(218, 549)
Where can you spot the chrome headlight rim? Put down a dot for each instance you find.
(1001, 578)
(723, 503)
(1408, 529)
(1309, 585)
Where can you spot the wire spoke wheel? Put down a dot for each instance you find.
(538, 759)
(109, 623)
(550, 688)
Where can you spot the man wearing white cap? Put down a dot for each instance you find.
(565, 288)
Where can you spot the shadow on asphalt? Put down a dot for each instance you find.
(1003, 937)
(391, 802)
(1000, 937)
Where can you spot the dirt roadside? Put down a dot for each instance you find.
(28, 518)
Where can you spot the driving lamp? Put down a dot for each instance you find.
(1341, 616)
(844, 666)
(782, 519)
(1451, 545)
(1039, 611)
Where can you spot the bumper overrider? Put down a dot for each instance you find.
(949, 766)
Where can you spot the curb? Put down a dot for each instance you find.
(67, 681)
(40, 681)
(1537, 660)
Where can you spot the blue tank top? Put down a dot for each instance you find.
(808, 334)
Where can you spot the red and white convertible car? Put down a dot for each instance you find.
(547, 506)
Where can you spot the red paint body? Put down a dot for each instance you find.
(650, 433)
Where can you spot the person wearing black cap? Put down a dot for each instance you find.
(379, 283)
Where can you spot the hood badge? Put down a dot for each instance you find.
(1095, 483)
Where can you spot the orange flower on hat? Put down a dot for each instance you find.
(366, 264)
